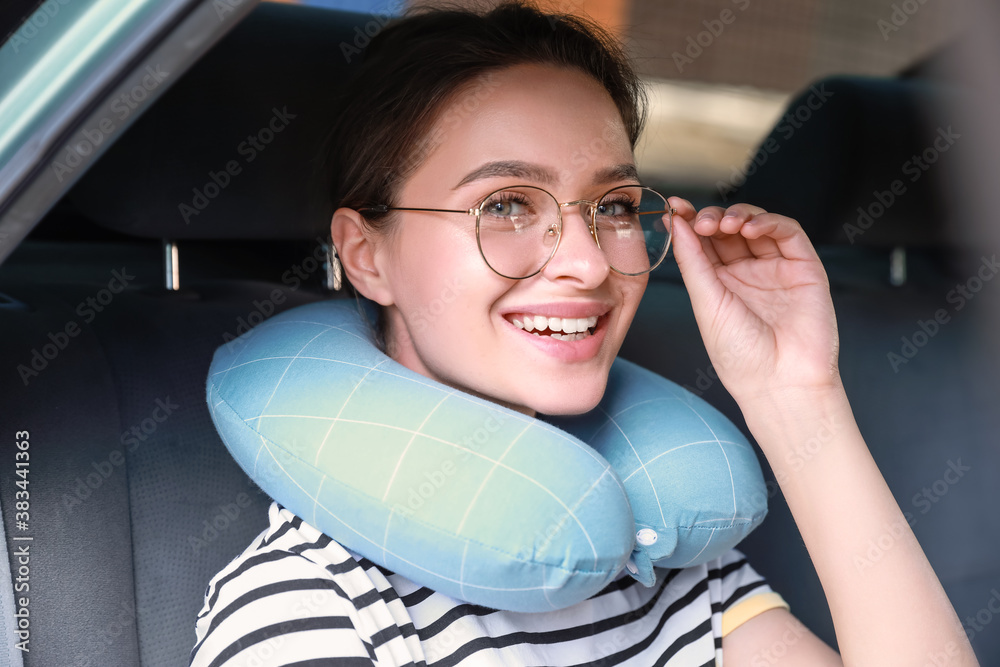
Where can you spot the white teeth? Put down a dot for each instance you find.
(569, 337)
(572, 328)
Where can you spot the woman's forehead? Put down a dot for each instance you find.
(541, 122)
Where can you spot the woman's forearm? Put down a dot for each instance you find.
(888, 606)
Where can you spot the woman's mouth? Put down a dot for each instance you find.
(559, 328)
(570, 333)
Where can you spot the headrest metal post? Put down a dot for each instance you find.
(897, 266)
(172, 266)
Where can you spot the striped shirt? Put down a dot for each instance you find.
(297, 598)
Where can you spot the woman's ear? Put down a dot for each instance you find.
(356, 248)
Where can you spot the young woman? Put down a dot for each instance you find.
(510, 111)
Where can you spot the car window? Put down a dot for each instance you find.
(71, 85)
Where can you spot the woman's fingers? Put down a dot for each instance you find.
(744, 231)
(787, 235)
(682, 207)
(695, 256)
(720, 227)
(687, 212)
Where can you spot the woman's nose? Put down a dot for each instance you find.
(578, 257)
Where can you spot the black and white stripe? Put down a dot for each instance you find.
(297, 598)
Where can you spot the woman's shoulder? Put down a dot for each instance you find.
(288, 549)
(295, 591)
(738, 592)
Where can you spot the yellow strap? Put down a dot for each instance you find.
(743, 611)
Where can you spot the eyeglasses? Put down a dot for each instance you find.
(518, 228)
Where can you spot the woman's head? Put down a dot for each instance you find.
(415, 65)
(449, 107)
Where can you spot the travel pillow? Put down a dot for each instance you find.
(469, 498)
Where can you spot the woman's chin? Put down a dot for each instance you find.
(575, 402)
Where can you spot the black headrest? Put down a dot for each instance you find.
(861, 160)
(232, 150)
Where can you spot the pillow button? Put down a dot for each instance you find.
(646, 537)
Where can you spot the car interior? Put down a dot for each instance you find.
(206, 216)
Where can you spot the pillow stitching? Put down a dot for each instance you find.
(729, 467)
(436, 386)
(659, 505)
(529, 424)
(674, 449)
(341, 411)
(324, 477)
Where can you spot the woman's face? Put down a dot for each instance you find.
(451, 317)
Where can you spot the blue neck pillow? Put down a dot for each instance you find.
(469, 498)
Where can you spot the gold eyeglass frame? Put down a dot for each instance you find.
(592, 225)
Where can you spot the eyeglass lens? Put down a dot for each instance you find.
(518, 229)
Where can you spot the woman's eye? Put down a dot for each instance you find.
(615, 209)
(505, 208)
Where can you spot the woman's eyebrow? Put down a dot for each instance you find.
(539, 174)
(510, 169)
(619, 172)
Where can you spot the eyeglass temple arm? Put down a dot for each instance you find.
(382, 208)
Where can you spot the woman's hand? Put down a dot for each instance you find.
(761, 299)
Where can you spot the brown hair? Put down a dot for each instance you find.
(418, 63)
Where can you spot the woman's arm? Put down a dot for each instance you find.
(762, 302)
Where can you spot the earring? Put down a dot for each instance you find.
(334, 274)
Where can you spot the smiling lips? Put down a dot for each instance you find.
(559, 328)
